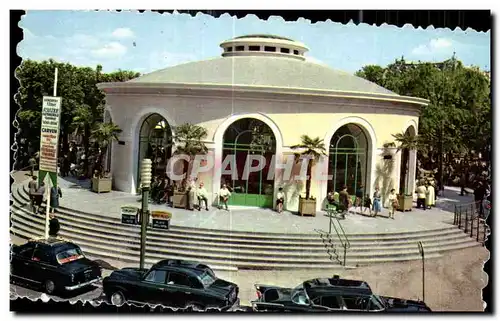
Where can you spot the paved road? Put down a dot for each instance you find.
(31, 292)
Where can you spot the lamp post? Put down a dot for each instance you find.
(421, 250)
(145, 184)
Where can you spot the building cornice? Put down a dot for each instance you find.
(248, 91)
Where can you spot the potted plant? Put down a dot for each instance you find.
(161, 219)
(312, 149)
(102, 134)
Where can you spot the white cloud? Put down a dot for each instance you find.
(122, 33)
(109, 51)
(434, 46)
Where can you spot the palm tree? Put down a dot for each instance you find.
(188, 139)
(102, 135)
(313, 149)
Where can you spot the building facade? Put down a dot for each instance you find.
(259, 98)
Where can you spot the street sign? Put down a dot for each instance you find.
(49, 138)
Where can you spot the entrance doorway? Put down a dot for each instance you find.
(155, 138)
(347, 161)
(249, 136)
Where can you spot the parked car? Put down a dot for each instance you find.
(329, 295)
(172, 283)
(55, 264)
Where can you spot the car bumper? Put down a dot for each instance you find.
(82, 285)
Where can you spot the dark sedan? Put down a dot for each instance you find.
(330, 295)
(172, 283)
(55, 264)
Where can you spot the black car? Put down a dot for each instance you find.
(55, 264)
(172, 283)
(329, 295)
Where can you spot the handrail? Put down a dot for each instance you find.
(467, 214)
(343, 241)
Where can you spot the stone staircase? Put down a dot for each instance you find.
(107, 238)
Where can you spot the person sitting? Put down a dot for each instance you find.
(344, 200)
(201, 193)
(280, 199)
(224, 195)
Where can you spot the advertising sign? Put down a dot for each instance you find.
(129, 214)
(161, 219)
(49, 137)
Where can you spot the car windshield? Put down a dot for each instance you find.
(376, 303)
(299, 296)
(207, 279)
(69, 255)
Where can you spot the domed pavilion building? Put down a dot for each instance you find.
(259, 98)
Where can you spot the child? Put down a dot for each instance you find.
(368, 204)
(393, 203)
(280, 199)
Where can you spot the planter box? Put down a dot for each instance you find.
(101, 185)
(161, 223)
(129, 214)
(405, 202)
(307, 207)
(180, 199)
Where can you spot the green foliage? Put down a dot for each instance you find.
(189, 140)
(312, 148)
(459, 112)
(82, 102)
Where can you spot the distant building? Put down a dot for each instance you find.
(263, 84)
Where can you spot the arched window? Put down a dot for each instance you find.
(249, 136)
(155, 139)
(348, 154)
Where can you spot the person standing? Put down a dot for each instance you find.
(479, 193)
(191, 193)
(344, 199)
(65, 166)
(32, 186)
(202, 195)
(32, 164)
(430, 199)
(360, 192)
(393, 203)
(367, 204)
(54, 225)
(421, 194)
(224, 195)
(463, 183)
(377, 201)
(55, 193)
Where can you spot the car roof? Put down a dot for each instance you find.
(182, 265)
(336, 285)
(51, 241)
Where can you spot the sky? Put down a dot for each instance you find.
(149, 41)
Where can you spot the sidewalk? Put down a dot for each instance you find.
(76, 195)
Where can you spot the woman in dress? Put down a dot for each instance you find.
(377, 202)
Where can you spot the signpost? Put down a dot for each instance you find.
(49, 145)
(421, 250)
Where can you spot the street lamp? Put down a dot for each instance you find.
(421, 250)
(145, 184)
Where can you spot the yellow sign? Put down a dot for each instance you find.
(161, 214)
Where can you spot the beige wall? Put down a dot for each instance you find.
(288, 119)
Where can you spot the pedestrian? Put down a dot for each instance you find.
(202, 195)
(32, 164)
(40, 196)
(463, 183)
(360, 192)
(55, 193)
(54, 225)
(65, 166)
(421, 194)
(430, 197)
(367, 204)
(224, 195)
(280, 200)
(344, 199)
(393, 203)
(32, 186)
(479, 193)
(191, 193)
(377, 201)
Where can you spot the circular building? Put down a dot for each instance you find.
(259, 99)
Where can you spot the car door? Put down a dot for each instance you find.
(327, 303)
(42, 264)
(22, 261)
(152, 288)
(179, 288)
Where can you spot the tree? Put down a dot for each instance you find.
(457, 120)
(103, 134)
(189, 140)
(313, 149)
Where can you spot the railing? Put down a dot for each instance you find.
(475, 213)
(344, 241)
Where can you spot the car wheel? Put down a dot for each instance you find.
(117, 298)
(49, 287)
